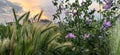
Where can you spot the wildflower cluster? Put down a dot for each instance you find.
(88, 30)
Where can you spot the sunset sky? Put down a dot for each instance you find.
(35, 6)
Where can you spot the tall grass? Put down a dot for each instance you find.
(28, 38)
(115, 39)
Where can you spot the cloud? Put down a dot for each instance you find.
(6, 10)
(26, 4)
(35, 6)
(7, 5)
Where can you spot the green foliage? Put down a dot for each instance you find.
(75, 21)
(35, 38)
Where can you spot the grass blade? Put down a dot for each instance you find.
(40, 15)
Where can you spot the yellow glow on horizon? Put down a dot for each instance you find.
(44, 17)
(30, 5)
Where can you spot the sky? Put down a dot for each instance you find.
(35, 6)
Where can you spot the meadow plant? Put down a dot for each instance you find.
(92, 35)
(79, 32)
(28, 38)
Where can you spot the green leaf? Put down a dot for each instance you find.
(15, 16)
(35, 16)
(21, 17)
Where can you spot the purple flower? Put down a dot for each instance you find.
(108, 1)
(108, 4)
(70, 35)
(88, 21)
(106, 24)
(86, 36)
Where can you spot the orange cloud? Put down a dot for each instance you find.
(30, 5)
